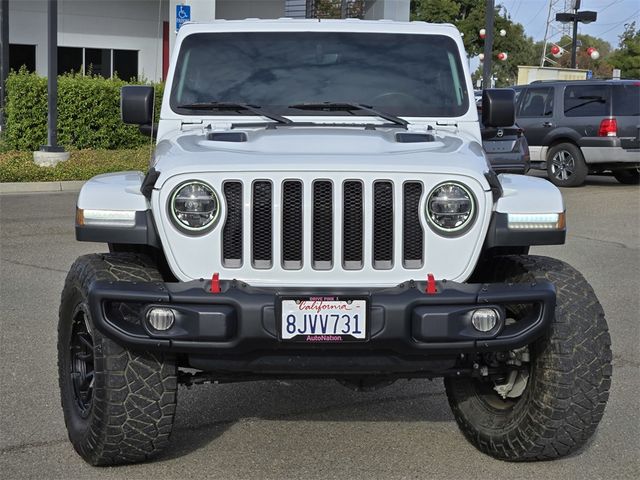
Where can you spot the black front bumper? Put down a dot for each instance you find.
(236, 329)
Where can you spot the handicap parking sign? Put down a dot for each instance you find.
(183, 15)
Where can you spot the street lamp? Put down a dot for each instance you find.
(576, 17)
(488, 43)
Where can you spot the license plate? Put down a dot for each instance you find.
(323, 319)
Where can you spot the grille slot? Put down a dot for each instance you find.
(322, 225)
(383, 225)
(262, 221)
(412, 233)
(352, 225)
(292, 234)
(232, 231)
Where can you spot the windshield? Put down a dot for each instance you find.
(401, 74)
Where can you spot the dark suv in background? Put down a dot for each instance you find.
(579, 127)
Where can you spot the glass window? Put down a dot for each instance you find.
(408, 75)
(586, 101)
(517, 96)
(69, 60)
(97, 61)
(626, 99)
(125, 64)
(22, 55)
(537, 102)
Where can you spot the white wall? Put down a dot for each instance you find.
(116, 24)
(201, 11)
(388, 9)
(137, 24)
(240, 9)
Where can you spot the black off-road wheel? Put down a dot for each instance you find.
(557, 396)
(566, 166)
(118, 404)
(628, 176)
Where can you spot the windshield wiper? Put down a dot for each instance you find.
(348, 107)
(256, 109)
(589, 100)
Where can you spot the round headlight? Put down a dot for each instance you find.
(450, 208)
(194, 207)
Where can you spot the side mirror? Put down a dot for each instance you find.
(136, 104)
(498, 107)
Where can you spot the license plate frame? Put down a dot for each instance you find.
(320, 338)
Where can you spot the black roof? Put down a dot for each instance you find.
(582, 82)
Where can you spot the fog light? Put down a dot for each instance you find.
(160, 319)
(484, 319)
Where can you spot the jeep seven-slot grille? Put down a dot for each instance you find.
(345, 221)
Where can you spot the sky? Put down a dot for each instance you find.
(612, 15)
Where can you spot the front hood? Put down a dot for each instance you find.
(321, 149)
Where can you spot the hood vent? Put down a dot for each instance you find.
(404, 137)
(227, 137)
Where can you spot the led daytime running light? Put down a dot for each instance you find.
(536, 221)
(106, 218)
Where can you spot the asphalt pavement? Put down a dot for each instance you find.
(303, 429)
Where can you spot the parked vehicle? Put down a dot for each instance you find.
(319, 206)
(579, 127)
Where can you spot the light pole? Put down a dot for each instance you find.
(488, 44)
(52, 79)
(576, 17)
(4, 54)
(51, 153)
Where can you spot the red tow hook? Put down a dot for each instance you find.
(431, 284)
(215, 283)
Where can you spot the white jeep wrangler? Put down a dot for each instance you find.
(319, 205)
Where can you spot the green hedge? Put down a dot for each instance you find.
(88, 113)
(83, 164)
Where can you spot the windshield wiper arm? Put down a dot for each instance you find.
(236, 107)
(348, 107)
(588, 101)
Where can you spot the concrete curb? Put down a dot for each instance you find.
(32, 187)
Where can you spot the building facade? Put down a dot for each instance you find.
(134, 38)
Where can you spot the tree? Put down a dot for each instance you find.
(436, 11)
(627, 57)
(469, 17)
(601, 68)
(334, 8)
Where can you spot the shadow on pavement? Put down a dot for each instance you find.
(205, 412)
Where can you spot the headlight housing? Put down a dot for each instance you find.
(194, 207)
(451, 208)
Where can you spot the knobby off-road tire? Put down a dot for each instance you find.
(570, 374)
(122, 412)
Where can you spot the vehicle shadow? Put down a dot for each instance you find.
(206, 412)
(605, 179)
